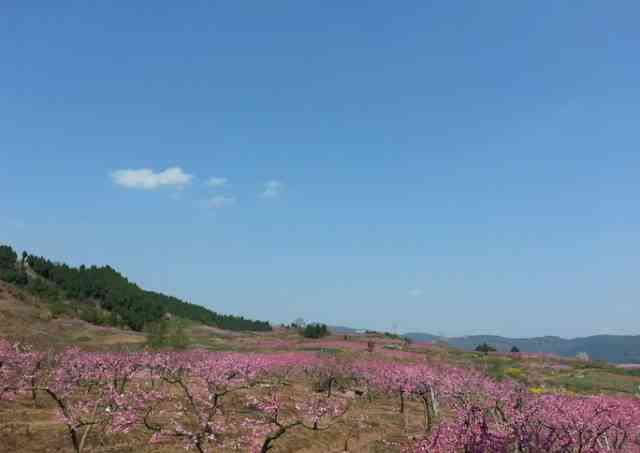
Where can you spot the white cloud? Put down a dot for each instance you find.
(416, 292)
(147, 179)
(220, 201)
(272, 189)
(217, 182)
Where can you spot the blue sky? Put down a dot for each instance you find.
(449, 167)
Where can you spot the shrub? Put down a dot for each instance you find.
(167, 334)
(15, 277)
(315, 331)
(157, 334)
(485, 348)
(8, 258)
(8, 269)
(90, 314)
(58, 309)
(178, 338)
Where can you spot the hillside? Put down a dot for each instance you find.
(26, 319)
(610, 348)
(358, 377)
(103, 296)
(296, 368)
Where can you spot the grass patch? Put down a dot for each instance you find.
(322, 350)
(597, 382)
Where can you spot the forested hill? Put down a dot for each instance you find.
(127, 303)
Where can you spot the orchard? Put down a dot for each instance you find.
(257, 402)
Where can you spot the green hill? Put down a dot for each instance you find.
(104, 296)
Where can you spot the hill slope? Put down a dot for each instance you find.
(25, 319)
(106, 296)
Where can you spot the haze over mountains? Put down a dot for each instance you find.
(612, 348)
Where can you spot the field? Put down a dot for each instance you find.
(365, 393)
(66, 385)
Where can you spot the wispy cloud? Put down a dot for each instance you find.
(147, 179)
(416, 292)
(217, 182)
(220, 201)
(272, 189)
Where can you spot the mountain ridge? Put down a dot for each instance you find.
(611, 348)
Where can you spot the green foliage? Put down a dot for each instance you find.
(327, 351)
(632, 372)
(59, 309)
(14, 276)
(90, 313)
(315, 331)
(129, 304)
(8, 258)
(178, 338)
(578, 384)
(9, 271)
(167, 334)
(513, 373)
(157, 334)
(515, 350)
(499, 368)
(395, 347)
(44, 290)
(485, 348)
(126, 303)
(593, 365)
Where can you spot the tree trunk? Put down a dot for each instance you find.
(266, 446)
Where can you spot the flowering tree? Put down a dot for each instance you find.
(391, 378)
(89, 391)
(539, 424)
(203, 379)
(13, 364)
(425, 387)
(328, 371)
(280, 414)
(212, 401)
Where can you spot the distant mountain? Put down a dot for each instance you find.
(612, 348)
(343, 330)
(424, 337)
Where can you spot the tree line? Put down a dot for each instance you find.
(127, 303)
